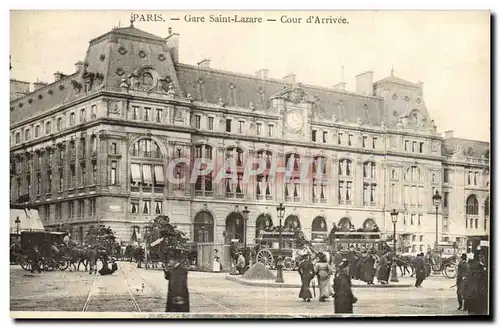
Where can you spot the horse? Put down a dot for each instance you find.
(405, 263)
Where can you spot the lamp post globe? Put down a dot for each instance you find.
(394, 273)
(436, 200)
(279, 263)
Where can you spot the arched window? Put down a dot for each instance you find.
(147, 79)
(150, 175)
(292, 222)
(369, 225)
(319, 180)
(345, 192)
(27, 135)
(413, 174)
(344, 224)
(235, 227)
(203, 185)
(472, 206)
(235, 190)
(203, 227)
(18, 137)
(264, 188)
(369, 169)
(263, 223)
(59, 124)
(293, 161)
(319, 224)
(146, 148)
(48, 128)
(37, 131)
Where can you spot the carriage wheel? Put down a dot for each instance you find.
(49, 264)
(450, 271)
(25, 264)
(264, 256)
(288, 264)
(63, 265)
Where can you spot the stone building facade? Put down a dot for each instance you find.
(96, 146)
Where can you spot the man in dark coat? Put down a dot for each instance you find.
(343, 299)
(366, 264)
(35, 258)
(419, 270)
(384, 269)
(178, 293)
(306, 271)
(462, 270)
(476, 293)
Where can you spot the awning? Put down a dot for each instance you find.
(159, 179)
(146, 173)
(135, 172)
(29, 220)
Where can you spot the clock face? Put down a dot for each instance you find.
(294, 121)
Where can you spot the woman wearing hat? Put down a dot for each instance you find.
(324, 271)
(343, 298)
(178, 293)
(306, 271)
(462, 270)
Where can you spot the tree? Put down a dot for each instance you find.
(100, 235)
(173, 240)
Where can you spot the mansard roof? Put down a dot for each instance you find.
(467, 147)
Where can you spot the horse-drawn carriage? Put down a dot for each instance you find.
(48, 244)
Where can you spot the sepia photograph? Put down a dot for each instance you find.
(249, 164)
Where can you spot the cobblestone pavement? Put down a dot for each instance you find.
(139, 290)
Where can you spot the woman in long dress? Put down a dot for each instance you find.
(343, 299)
(306, 271)
(324, 272)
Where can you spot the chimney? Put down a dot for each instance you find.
(364, 83)
(290, 79)
(262, 73)
(205, 64)
(448, 134)
(173, 45)
(58, 75)
(38, 85)
(78, 66)
(340, 86)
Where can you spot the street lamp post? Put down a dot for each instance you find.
(436, 200)
(18, 222)
(245, 217)
(394, 273)
(279, 264)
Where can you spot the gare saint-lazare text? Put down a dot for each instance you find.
(257, 19)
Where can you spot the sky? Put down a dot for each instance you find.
(448, 51)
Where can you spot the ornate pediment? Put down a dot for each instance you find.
(295, 95)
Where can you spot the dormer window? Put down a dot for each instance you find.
(147, 79)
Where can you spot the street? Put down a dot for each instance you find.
(139, 290)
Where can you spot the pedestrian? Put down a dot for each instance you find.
(240, 264)
(106, 270)
(306, 272)
(420, 273)
(35, 258)
(139, 257)
(462, 271)
(366, 264)
(216, 265)
(323, 271)
(343, 298)
(178, 293)
(476, 290)
(383, 270)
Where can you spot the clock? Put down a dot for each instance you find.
(294, 121)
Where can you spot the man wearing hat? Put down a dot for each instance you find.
(462, 270)
(419, 270)
(343, 298)
(178, 293)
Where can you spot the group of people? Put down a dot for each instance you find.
(341, 292)
(472, 284)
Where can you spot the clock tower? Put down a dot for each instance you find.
(295, 108)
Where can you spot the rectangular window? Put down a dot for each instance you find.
(364, 141)
(93, 112)
(373, 190)
(94, 173)
(82, 147)
(420, 219)
(81, 208)
(258, 128)
(445, 199)
(210, 123)
(348, 194)
(394, 193)
(82, 115)
(270, 131)
(446, 176)
(113, 173)
(114, 148)
(241, 126)
(61, 180)
(49, 182)
(313, 135)
(228, 125)
(94, 145)
(339, 138)
(47, 212)
(197, 121)
(366, 194)
(421, 238)
(71, 209)
(325, 136)
(83, 171)
(341, 191)
(72, 119)
(158, 207)
(349, 141)
(476, 178)
(421, 196)
(407, 145)
(412, 220)
(469, 178)
(374, 142)
(147, 114)
(72, 181)
(136, 113)
(134, 207)
(48, 128)
(421, 148)
(38, 184)
(159, 115)
(159, 178)
(92, 207)
(146, 209)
